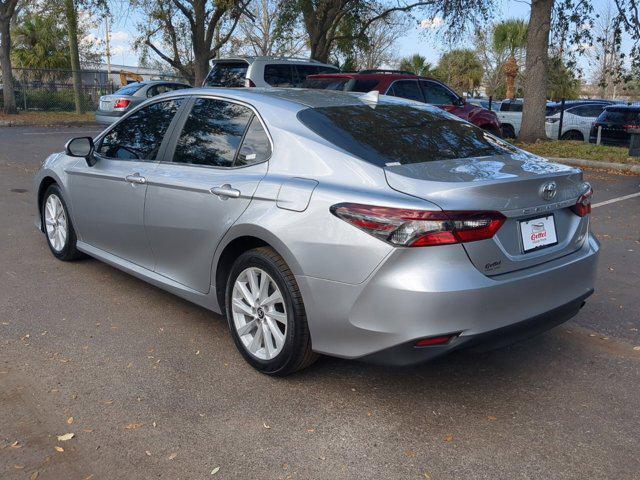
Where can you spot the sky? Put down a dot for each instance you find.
(417, 40)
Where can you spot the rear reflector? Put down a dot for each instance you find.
(431, 341)
(583, 206)
(420, 228)
(121, 104)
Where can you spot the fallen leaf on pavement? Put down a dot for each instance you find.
(65, 437)
(148, 453)
(215, 470)
(492, 418)
(409, 453)
(69, 420)
(34, 475)
(16, 444)
(448, 438)
(265, 425)
(18, 466)
(133, 426)
(637, 348)
(172, 456)
(59, 449)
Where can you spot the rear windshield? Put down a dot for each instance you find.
(344, 84)
(623, 116)
(401, 133)
(129, 89)
(227, 74)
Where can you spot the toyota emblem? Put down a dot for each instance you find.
(548, 190)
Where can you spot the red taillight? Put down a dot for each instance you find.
(249, 83)
(121, 104)
(583, 206)
(631, 127)
(432, 341)
(420, 228)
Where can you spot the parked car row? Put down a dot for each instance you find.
(304, 73)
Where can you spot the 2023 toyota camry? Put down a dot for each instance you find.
(326, 222)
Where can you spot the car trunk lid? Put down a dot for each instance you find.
(510, 184)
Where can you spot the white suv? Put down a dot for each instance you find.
(263, 71)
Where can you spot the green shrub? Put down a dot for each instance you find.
(50, 100)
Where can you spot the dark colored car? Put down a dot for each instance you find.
(407, 85)
(617, 122)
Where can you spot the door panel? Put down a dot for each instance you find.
(109, 210)
(108, 198)
(185, 221)
(207, 179)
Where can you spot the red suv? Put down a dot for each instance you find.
(407, 85)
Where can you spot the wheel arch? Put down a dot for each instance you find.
(574, 131)
(45, 183)
(234, 245)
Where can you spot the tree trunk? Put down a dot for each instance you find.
(7, 74)
(535, 82)
(200, 69)
(72, 27)
(320, 49)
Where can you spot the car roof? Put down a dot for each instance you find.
(300, 97)
(622, 107)
(371, 76)
(271, 59)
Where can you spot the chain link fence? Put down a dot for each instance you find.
(51, 90)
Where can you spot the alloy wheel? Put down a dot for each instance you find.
(259, 313)
(56, 222)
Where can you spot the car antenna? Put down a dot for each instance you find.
(371, 97)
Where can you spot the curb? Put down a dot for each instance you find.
(623, 167)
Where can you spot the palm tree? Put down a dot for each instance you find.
(510, 36)
(416, 64)
(40, 44)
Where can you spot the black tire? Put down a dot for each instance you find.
(69, 252)
(508, 131)
(572, 135)
(296, 352)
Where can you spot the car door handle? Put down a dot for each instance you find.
(135, 178)
(225, 191)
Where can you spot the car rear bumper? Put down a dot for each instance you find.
(427, 292)
(107, 118)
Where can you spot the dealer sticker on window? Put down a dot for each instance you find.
(538, 232)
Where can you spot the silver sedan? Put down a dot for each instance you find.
(358, 226)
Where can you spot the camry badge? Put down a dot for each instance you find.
(548, 190)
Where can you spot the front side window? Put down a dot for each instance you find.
(139, 136)
(279, 75)
(436, 94)
(401, 133)
(212, 133)
(255, 146)
(406, 89)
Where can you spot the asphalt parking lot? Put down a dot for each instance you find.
(153, 387)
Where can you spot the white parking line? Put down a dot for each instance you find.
(614, 200)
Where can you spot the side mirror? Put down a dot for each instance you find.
(81, 147)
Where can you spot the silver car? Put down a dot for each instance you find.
(353, 225)
(112, 107)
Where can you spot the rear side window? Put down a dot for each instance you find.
(359, 85)
(227, 74)
(587, 111)
(255, 146)
(279, 75)
(512, 107)
(623, 116)
(139, 136)
(406, 89)
(436, 94)
(212, 133)
(400, 133)
(129, 89)
(325, 83)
